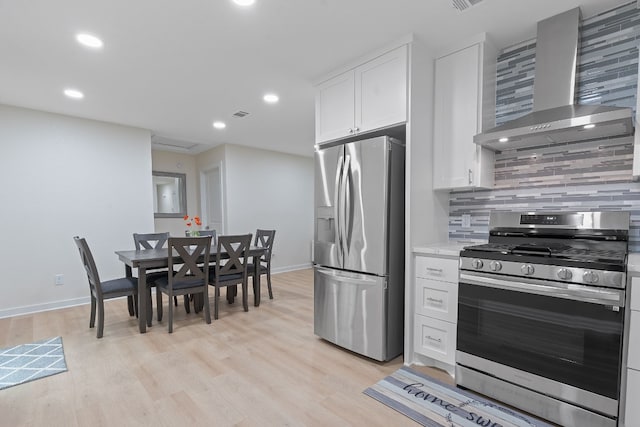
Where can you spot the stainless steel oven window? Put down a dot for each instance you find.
(574, 342)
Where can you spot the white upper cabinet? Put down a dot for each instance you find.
(464, 104)
(368, 97)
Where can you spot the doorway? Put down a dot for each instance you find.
(212, 198)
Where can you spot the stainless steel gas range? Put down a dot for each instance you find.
(541, 314)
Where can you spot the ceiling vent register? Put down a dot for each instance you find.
(240, 114)
(463, 5)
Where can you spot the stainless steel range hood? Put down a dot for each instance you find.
(555, 118)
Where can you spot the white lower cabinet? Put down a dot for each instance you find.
(632, 410)
(436, 311)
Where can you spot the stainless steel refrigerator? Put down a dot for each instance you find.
(359, 246)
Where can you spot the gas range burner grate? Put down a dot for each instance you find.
(551, 251)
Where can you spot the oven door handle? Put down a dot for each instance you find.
(602, 296)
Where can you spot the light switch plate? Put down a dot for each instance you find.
(466, 221)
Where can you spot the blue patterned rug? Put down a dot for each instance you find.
(432, 403)
(28, 362)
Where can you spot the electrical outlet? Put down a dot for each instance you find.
(466, 221)
(59, 279)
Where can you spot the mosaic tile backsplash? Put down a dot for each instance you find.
(580, 176)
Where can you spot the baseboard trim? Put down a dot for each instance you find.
(290, 268)
(36, 308)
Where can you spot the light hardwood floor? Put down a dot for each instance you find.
(261, 368)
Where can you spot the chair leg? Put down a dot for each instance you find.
(135, 305)
(245, 297)
(170, 314)
(159, 303)
(205, 304)
(130, 306)
(215, 302)
(186, 304)
(92, 316)
(175, 300)
(100, 318)
(149, 307)
(269, 283)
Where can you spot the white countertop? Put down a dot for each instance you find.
(449, 248)
(633, 263)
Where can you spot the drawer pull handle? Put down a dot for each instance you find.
(434, 270)
(439, 301)
(430, 338)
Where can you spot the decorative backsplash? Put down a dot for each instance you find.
(580, 176)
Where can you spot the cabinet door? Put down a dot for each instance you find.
(456, 117)
(381, 91)
(436, 339)
(335, 107)
(632, 410)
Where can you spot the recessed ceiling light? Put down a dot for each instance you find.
(244, 2)
(219, 125)
(271, 98)
(589, 126)
(89, 40)
(503, 139)
(73, 93)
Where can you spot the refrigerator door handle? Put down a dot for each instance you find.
(348, 206)
(337, 204)
(352, 277)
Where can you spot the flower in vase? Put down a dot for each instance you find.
(190, 222)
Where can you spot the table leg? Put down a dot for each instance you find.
(142, 300)
(256, 281)
(130, 307)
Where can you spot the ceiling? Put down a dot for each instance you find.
(174, 67)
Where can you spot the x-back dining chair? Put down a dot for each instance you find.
(154, 241)
(197, 303)
(101, 290)
(231, 271)
(264, 239)
(192, 275)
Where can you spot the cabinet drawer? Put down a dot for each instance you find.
(435, 338)
(437, 268)
(632, 410)
(633, 359)
(635, 294)
(437, 299)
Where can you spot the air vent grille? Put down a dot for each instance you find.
(240, 114)
(463, 5)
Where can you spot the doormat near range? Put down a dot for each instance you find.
(28, 362)
(433, 403)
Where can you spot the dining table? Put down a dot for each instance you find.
(148, 259)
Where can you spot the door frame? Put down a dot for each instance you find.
(223, 193)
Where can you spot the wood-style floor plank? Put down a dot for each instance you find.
(263, 367)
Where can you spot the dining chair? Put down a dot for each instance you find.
(192, 275)
(155, 241)
(197, 303)
(99, 290)
(211, 233)
(264, 239)
(231, 271)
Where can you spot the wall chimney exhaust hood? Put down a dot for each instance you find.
(555, 118)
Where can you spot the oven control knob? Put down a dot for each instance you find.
(564, 274)
(477, 264)
(527, 269)
(495, 265)
(590, 277)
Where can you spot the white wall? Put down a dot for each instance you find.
(269, 190)
(165, 161)
(64, 176)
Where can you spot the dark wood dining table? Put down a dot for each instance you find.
(145, 259)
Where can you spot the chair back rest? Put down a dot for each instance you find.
(211, 233)
(264, 239)
(237, 248)
(89, 264)
(194, 253)
(150, 240)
